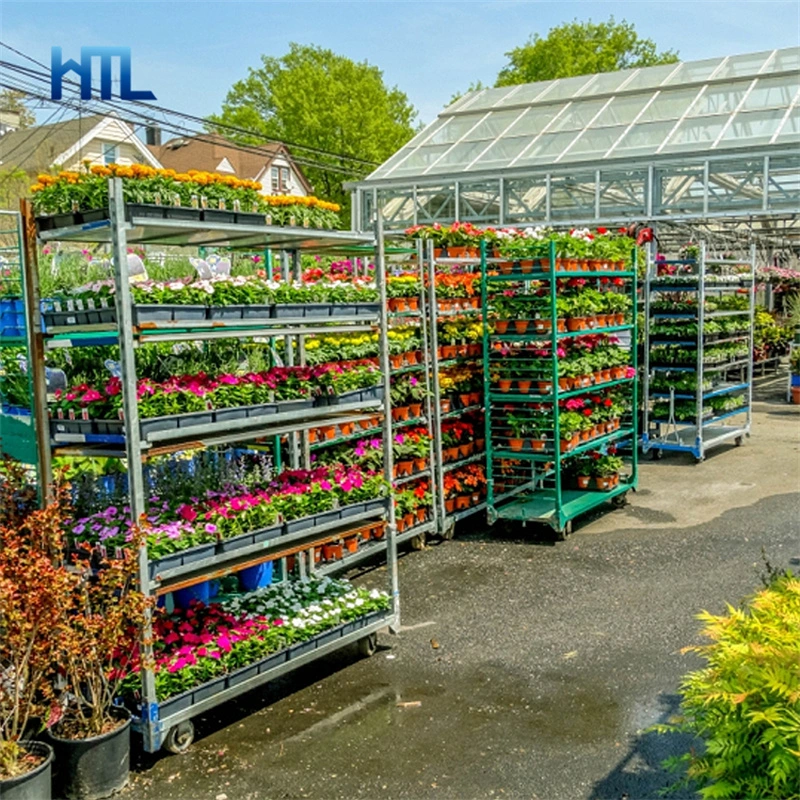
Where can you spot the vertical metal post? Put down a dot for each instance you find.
(436, 419)
(501, 207)
(699, 375)
(635, 365)
(36, 355)
(288, 346)
(751, 340)
(648, 276)
(765, 181)
(487, 399)
(150, 725)
(426, 314)
(554, 378)
(388, 457)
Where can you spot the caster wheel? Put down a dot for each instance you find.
(620, 501)
(739, 441)
(417, 542)
(179, 738)
(656, 455)
(565, 531)
(368, 645)
(448, 533)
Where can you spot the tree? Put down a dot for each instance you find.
(13, 102)
(313, 97)
(473, 87)
(581, 48)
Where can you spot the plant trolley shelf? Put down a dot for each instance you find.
(698, 353)
(293, 544)
(560, 382)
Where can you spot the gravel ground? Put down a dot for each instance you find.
(526, 668)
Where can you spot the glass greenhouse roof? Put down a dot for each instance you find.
(695, 106)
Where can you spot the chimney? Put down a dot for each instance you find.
(153, 135)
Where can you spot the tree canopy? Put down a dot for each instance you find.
(313, 97)
(13, 102)
(581, 48)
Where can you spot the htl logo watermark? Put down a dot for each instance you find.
(59, 69)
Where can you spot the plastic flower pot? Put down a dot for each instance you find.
(34, 784)
(603, 482)
(450, 505)
(328, 432)
(545, 387)
(199, 591)
(422, 515)
(445, 406)
(462, 502)
(312, 435)
(332, 551)
(520, 325)
(583, 481)
(524, 386)
(415, 410)
(575, 324)
(347, 428)
(409, 520)
(405, 467)
(420, 464)
(516, 444)
(566, 445)
(256, 577)
(506, 267)
(400, 523)
(365, 424)
(351, 544)
(396, 360)
(796, 395)
(412, 303)
(449, 351)
(92, 768)
(501, 325)
(504, 384)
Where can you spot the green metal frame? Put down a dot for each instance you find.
(555, 506)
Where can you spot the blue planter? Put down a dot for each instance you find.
(795, 380)
(256, 577)
(200, 591)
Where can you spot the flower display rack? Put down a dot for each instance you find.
(138, 437)
(560, 384)
(17, 428)
(698, 372)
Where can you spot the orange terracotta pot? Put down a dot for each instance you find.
(501, 326)
(415, 410)
(584, 481)
(524, 386)
(516, 444)
(520, 325)
(545, 387)
(450, 505)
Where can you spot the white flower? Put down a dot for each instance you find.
(360, 601)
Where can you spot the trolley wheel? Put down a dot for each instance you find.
(417, 542)
(620, 500)
(368, 645)
(448, 531)
(656, 454)
(739, 441)
(179, 738)
(565, 531)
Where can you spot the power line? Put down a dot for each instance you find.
(196, 119)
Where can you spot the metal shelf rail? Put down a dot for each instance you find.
(705, 279)
(159, 721)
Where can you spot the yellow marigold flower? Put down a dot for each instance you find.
(37, 187)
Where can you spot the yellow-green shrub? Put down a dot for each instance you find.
(745, 704)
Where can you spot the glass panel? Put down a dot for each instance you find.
(669, 105)
(493, 125)
(746, 64)
(454, 129)
(526, 199)
(719, 99)
(398, 208)
(534, 121)
(527, 93)
(479, 201)
(572, 197)
(791, 128)
(366, 209)
(694, 71)
(643, 138)
(436, 204)
(486, 98)
(595, 141)
(736, 184)
(622, 192)
(578, 115)
(502, 152)
(772, 92)
(420, 159)
(547, 147)
(754, 127)
(622, 111)
(651, 77)
(678, 190)
(460, 155)
(564, 88)
(784, 182)
(607, 82)
(695, 134)
(786, 59)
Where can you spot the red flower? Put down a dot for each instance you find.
(601, 231)
(587, 412)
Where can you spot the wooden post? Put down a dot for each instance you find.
(33, 323)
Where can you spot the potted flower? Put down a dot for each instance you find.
(519, 430)
(584, 470)
(606, 471)
(97, 632)
(570, 424)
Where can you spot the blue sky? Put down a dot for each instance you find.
(189, 53)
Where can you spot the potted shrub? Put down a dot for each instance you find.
(519, 430)
(99, 629)
(31, 591)
(606, 468)
(570, 425)
(584, 470)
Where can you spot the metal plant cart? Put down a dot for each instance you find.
(698, 376)
(436, 315)
(529, 455)
(168, 723)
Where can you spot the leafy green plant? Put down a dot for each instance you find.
(745, 704)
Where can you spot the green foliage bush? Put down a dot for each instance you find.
(745, 704)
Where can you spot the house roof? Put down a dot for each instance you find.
(35, 149)
(208, 151)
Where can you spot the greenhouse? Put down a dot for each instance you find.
(710, 139)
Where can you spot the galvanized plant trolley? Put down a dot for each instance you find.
(168, 723)
(698, 376)
(527, 397)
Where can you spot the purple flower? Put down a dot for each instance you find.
(211, 528)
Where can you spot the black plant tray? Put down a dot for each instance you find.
(250, 538)
(86, 316)
(301, 310)
(226, 312)
(356, 396)
(181, 558)
(150, 210)
(250, 218)
(147, 313)
(257, 311)
(218, 215)
(335, 514)
(50, 222)
(81, 426)
(182, 213)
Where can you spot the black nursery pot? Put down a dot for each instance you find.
(33, 785)
(93, 768)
